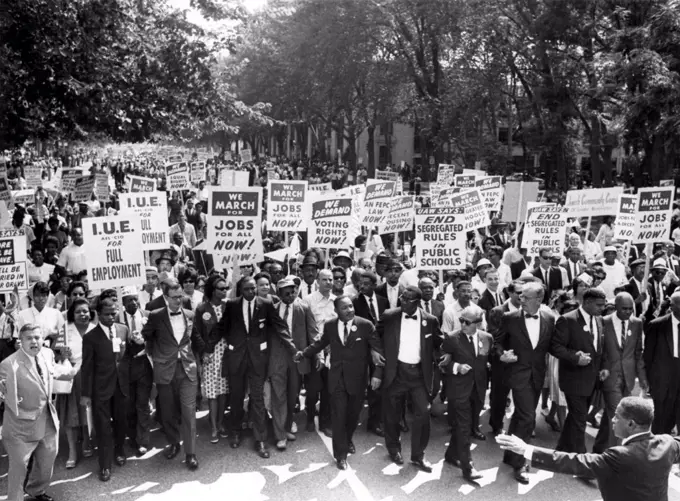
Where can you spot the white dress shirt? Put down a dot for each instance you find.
(617, 328)
(322, 308)
(177, 322)
(245, 305)
(533, 326)
(450, 318)
(474, 339)
(372, 301)
(144, 297)
(594, 332)
(341, 329)
(674, 324)
(72, 258)
(409, 343)
(305, 289)
(392, 295)
(50, 320)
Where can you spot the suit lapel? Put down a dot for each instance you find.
(31, 368)
(168, 323)
(669, 333)
(523, 328)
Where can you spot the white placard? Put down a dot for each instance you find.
(152, 210)
(440, 239)
(287, 207)
(654, 212)
(593, 202)
(626, 217)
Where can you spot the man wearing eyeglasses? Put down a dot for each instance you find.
(411, 339)
(548, 274)
(466, 377)
(522, 344)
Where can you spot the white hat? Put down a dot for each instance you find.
(483, 262)
(659, 264)
(129, 291)
(610, 248)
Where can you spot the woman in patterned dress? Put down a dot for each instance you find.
(214, 387)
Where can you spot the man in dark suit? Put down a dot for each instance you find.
(500, 390)
(248, 324)
(578, 343)
(435, 308)
(391, 290)
(622, 355)
(351, 339)
(104, 387)
(526, 263)
(371, 306)
(172, 341)
(466, 376)
(524, 339)
(550, 276)
(286, 376)
(574, 265)
(136, 373)
(160, 301)
(637, 470)
(492, 295)
(411, 339)
(662, 364)
(635, 288)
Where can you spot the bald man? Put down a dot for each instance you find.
(622, 360)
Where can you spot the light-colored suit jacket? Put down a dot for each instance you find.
(623, 360)
(26, 396)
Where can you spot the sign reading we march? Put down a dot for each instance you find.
(654, 212)
(286, 205)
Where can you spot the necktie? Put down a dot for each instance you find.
(285, 313)
(309, 288)
(371, 308)
(623, 334)
(592, 333)
(133, 326)
(535, 317)
(40, 372)
(344, 339)
(411, 317)
(472, 342)
(497, 298)
(250, 315)
(175, 313)
(427, 306)
(545, 277)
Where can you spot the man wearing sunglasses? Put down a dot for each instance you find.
(550, 275)
(466, 376)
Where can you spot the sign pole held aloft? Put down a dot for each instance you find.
(519, 212)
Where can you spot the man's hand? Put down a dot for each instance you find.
(511, 443)
(375, 383)
(378, 359)
(86, 401)
(464, 368)
(641, 298)
(583, 358)
(508, 357)
(445, 360)
(297, 358)
(604, 374)
(137, 337)
(319, 364)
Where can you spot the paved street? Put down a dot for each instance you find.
(307, 472)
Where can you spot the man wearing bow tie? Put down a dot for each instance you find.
(578, 344)
(622, 354)
(172, 342)
(411, 339)
(522, 344)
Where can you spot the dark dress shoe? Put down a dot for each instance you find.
(235, 441)
(403, 427)
(172, 451)
(192, 462)
(327, 431)
(453, 462)
(43, 497)
(262, 450)
(350, 448)
(378, 430)
(342, 464)
(422, 464)
(472, 474)
(478, 435)
(521, 475)
(120, 459)
(592, 420)
(105, 475)
(553, 423)
(396, 457)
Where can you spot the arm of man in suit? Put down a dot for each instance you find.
(640, 363)
(86, 371)
(559, 342)
(197, 342)
(651, 338)
(375, 342)
(281, 329)
(446, 363)
(315, 347)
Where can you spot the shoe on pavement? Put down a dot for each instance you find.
(422, 464)
(105, 475)
(281, 444)
(192, 462)
(397, 458)
(521, 475)
(293, 427)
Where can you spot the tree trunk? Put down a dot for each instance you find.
(595, 164)
(370, 151)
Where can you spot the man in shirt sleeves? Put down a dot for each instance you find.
(410, 340)
(171, 341)
(351, 339)
(578, 344)
(523, 342)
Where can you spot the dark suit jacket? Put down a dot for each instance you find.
(632, 289)
(135, 365)
(570, 276)
(494, 319)
(518, 267)
(487, 301)
(529, 369)
(554, 281)
(362, 310)
(637, 471)
(349, 362)
(436, 309)
(159, 302)
(381, 290)
(658, 355)
(570, 337)
(101, 371)
(252, 345)
(304, 333)
(623, 361)
(458, 345)
(163, 347)
(389, 330)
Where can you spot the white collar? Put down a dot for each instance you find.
(628, 439)
(586, 316)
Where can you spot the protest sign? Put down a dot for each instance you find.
(464, 181)
(272, 175)
(654, 212)
(667, 182)
(445, 174)
(173, 159)
(152, 210)
(3, 169)
(443, 197)
(356, 192)
(517, 194)
(440, 238)
(13, 260)
(545, 227)
(5, 192)
(626, 217)
(33, 175)
(141, 184)
(476, 215)
(113, 246)
(227, 156)
(387, 175)
(102, 186)
(474, 172)
(68, 180)
(330, 224)
(400, 217)
(234, 178)
(287, 209)
(491, 189)
(177, 177)
(377, 201)
(197, 172)
(246, 156)
(83, 189)
(593, 202)
(320, 187)
(235, 225)
(23, 197)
